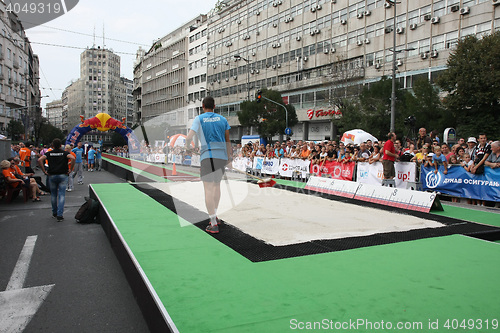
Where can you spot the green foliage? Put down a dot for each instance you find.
(49, 132)
(472, 82)
(267, 117)
(15, 129)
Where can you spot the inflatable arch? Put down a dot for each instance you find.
(104, 122)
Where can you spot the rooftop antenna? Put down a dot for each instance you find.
(93, 45)
(103, 37)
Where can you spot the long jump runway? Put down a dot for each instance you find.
(288, 260)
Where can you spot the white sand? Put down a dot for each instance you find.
(281, 217)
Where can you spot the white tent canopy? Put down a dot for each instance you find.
(357, 136)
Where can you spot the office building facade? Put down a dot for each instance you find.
(19, 77)
(314, 50)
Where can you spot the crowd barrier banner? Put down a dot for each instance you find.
(288, 166)
(335, 170)
(258, 162)
(367, 173)
(242, 163)
(271, 166)
(461, 183)
(196, 160)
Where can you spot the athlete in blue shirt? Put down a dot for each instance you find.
(91, 156)
(212, 130)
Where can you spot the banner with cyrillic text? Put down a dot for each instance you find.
(460, 183)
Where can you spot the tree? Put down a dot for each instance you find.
(48, 133)
(425, 104)
(15, 129)
(472, 81)
(267, 117)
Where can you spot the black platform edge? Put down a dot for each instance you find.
(124, 173)
(153, 310)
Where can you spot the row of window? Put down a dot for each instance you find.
(197, 79)
(198, 35)
(407, 21)
(198, 49)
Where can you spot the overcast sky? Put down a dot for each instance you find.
(133, 22)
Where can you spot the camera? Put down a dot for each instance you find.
(411, 121)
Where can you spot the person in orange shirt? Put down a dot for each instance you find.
(10, 178)
(29, 182)
(72, 174)
(305, 152)
(25, 156)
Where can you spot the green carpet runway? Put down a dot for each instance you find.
(207, 287)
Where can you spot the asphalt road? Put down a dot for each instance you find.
(90, 292)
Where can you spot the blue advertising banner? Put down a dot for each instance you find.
(461, 183)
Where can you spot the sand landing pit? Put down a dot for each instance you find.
(280, 217)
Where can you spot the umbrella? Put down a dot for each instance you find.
(178, 140)
(357, 136)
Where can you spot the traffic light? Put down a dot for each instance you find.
(258, 96)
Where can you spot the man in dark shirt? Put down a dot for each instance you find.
(331, 153)
(58, 176)
(423, 138)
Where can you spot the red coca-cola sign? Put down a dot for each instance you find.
(311, 113)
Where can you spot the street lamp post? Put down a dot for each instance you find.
(393, 93)
(237, 56)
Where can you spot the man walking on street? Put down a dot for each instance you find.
(58, 176)
(79, 162)
(212, 130)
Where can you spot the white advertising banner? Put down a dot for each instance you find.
(374, 173)
(271, 166)
(196, 160)
(242, 163)
(289, 166)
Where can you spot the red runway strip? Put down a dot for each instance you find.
(152, 169)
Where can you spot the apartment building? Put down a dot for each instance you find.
(100, 89)
(315, 50)
(19, 76)
(169, 76)
(54, 113)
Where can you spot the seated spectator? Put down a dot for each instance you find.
(28, 182)
(375, 156)
(439, 159)
(8, 174)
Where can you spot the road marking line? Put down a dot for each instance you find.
(23, 263)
